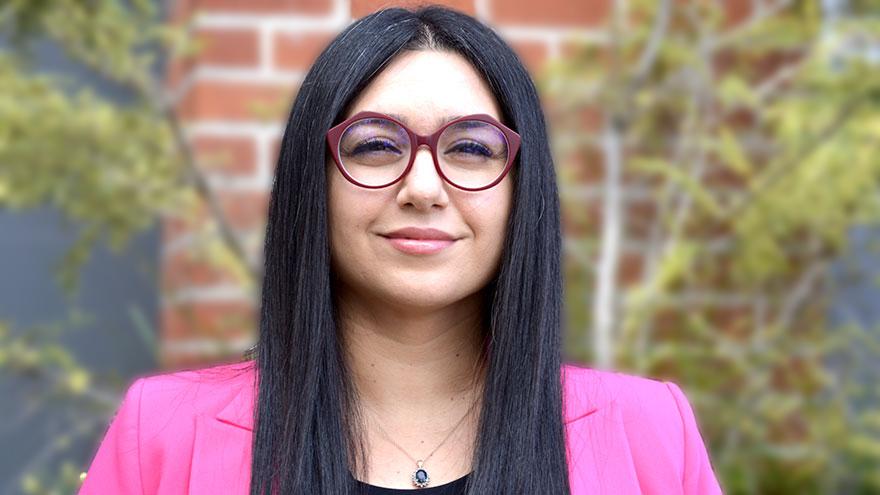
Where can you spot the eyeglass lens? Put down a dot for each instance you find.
(376, 151)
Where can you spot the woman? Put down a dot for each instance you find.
(410, 318)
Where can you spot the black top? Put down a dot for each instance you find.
(454, 487)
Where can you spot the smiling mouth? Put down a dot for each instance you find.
(419, 246)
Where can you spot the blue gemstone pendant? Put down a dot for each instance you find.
(420, 477)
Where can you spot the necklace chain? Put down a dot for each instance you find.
(422, 461)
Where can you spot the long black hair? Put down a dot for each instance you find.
(306, 434)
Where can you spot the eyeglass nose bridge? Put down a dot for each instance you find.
(430, 141)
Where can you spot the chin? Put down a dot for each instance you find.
(416, 289)
(419, 297)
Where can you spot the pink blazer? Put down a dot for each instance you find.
(190, 432)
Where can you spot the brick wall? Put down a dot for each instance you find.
(233, 97)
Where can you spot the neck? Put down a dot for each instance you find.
(407, 361)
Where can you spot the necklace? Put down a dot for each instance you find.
(420, 477)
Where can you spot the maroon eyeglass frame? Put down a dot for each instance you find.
(334, 135)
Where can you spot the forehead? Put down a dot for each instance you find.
(425, 88)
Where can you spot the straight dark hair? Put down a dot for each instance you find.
(307, 433)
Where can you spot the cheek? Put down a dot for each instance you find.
(342, 216)
(489, 214)
(351, 212)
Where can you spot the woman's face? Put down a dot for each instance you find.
(424, 88)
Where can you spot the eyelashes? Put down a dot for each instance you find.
(382, 145)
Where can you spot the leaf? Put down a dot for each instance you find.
(662, 168)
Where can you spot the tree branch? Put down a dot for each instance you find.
(151, 91)
(232, 241)
(648, 57)
(840, 119)
(758, 16)
(797, 296)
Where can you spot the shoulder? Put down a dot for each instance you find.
(652, 418)
(152, 436)
(166, 402)
(586, 390)
(162, 407)
(646, 406)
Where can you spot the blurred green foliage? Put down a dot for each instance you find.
(757, 144)
(112, 166)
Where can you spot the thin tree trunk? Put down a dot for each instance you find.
(604, 301)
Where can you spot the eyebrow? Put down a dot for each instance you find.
(448, 118)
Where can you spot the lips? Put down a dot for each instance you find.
(414, 240)
(417, 233)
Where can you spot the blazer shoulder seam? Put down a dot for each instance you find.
(671, 387)
(139, 383)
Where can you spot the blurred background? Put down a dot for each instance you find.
(718, 166)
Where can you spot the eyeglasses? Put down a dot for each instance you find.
(374, 150)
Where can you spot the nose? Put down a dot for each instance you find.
(422, 187)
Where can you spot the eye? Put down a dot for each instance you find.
(472, 148)
(374, 145)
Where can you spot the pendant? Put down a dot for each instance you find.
(420, 477)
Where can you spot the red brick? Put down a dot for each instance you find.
(297, 51)
(173, 228)
(734, 321)
(630, 269)
(534, 54)
(550, 12)
(203, 319)
(585, 50)
(360, 8)
(717, 271)
(186, 268)
(180, 223)
(244, 210)
(583, 167)
(236, 101)
(736, 11)
(226, 156)
(580, 118)
(267, 6)
(700, 226)
(228, 47)
(173, 360)
(595, 211)
(719, 175)
(180, 11)
(578, 219)
(591, 119)
(640, 217)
